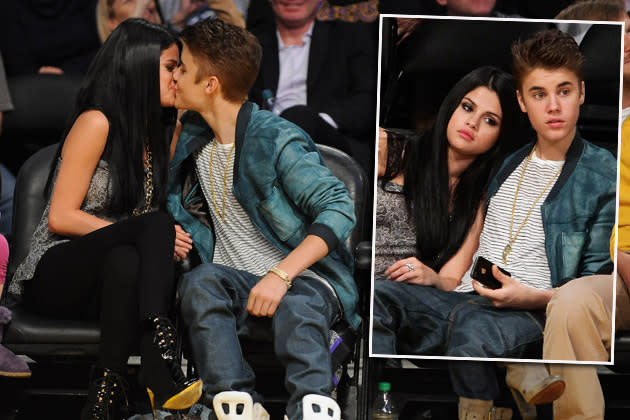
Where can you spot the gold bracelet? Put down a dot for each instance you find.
(284, 276)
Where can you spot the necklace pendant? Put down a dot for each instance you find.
(506, 252)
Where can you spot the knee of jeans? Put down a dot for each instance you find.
(198, 282)
(384, 297)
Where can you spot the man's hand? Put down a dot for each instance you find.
(420, 274)
(513, 294)
(265, 297)
(183, 243)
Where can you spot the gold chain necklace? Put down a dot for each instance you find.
(508, 247)
(148, 183)
(227, 164)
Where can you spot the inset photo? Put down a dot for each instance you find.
(496, 190)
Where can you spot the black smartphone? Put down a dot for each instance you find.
(482, 272)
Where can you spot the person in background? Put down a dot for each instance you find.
(321, 76)
(48, 36)
(174, 13)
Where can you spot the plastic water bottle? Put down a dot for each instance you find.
(383, 407)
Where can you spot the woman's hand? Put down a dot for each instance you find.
(183, 243)
(411, 270)
(513, 294)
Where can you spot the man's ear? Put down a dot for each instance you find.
(211, 85)
(582, 93)
(521, 104)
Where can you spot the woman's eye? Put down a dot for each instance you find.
(491, 122)
(169, 68)
(467, 107)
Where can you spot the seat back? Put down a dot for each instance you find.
(38, 337)
(353, 176)
(29, 201)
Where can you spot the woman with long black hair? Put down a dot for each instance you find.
(105, 247)
(432, 185)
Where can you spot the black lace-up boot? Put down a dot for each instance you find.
(166, 384)
(107, 399)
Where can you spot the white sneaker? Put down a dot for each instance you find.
(320, 407)
(226, 404)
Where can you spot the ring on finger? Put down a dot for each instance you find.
(409, 266)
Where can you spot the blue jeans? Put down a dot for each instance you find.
(422, 320)
(213, 302)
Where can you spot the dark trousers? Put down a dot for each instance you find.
(121, 275)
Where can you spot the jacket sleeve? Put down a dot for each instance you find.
(315, 191)
(596, 253)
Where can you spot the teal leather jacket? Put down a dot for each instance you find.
(282, 183)
(579, 213)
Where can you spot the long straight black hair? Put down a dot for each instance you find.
(442, 218)
(123, 82)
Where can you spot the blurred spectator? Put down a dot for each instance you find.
(349, 11)
(321, 76)
(7, 180)
(181, 13)
(260, 12)
(109, 13)
(593, 10)
(176, 13)
(47, 35)
(496, 8)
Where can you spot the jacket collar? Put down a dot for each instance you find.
(197, 133)
(571, 159)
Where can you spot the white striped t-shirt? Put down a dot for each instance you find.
(238, 244)
(527, 262)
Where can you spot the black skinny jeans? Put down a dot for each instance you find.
(121, 275)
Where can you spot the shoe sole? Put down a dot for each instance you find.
(186, 398)
(16, 374)
(550, 393)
